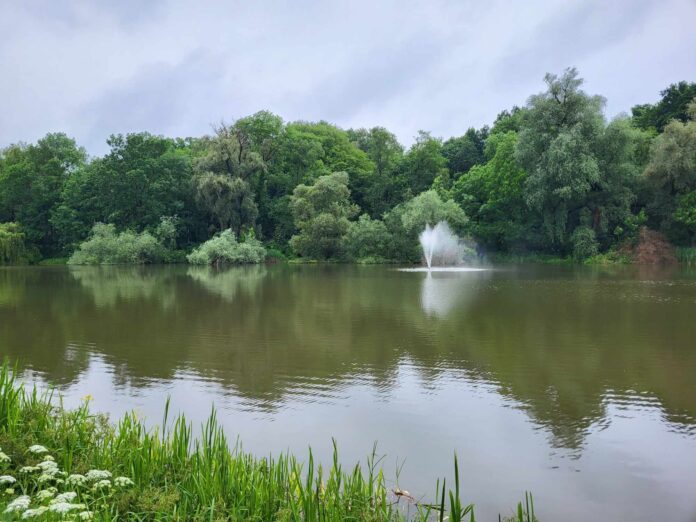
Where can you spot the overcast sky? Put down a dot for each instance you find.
(92, 68)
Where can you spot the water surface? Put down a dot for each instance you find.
(578, 384)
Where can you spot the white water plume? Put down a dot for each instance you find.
(440, 245)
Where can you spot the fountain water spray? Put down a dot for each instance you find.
(440, 244)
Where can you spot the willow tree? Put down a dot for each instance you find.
(581, 171)
(12, 247)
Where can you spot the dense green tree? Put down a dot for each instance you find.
(230, 152)
(552, 176)
(464, 152)
(13, 249)
(31, 180)
(672, 106)
(492, 195)
(508, 120)
(228, 200)
(142, 179)
(580, 172)
(383, 189)
(423, 163)
(671, 178)
(408, 219)
(307, 151)
(322, 212)
(367, 240)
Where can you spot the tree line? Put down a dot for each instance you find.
(553, 177)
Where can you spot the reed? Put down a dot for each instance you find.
(686, 255)
(57, 463)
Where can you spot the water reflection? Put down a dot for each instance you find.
(441, 292)
(228, 282)
(564, 346)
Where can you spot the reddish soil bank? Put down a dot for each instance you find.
(653, 249)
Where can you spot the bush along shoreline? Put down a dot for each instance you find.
(555, 178)
(60, 464)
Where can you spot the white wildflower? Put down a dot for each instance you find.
(21, 503)
(46, 477)
(98, 474)
(86, 515)
(45, 494)
(4, 457)
(29, 469)
(48, 466)
(9, 491)
(7, 479)
(123, 482)
(102, 484)
(65, 497)
(49, 457)
(64, 507)
(36, 512)
(77, 479)
(37, 449)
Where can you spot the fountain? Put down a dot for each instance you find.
(442, 250)
(440, 242)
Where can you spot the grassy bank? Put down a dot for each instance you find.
(58, 464)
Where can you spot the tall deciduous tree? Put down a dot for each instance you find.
(579, 170)
(492, 195)
(672, 106)
(31, 180)
(228, 200)
(671, 176)
(382, 190)
(322, 212)
(423, 163)
(142, 179)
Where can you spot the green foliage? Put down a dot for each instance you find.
(492, 195)
(382, 189)
(367, 239)
(673, 106)
(540, 173)
(127, 471)
(686, 210)
(466, 151)
(228, 200)
(408, 219)
(686, 255)
(13, 251)
(423, 163)
(509, 120)
(321, 212)
(671, 178)
(143, 178)
(584, 242)
(580, 171)
(107, 247)
(31, 179)
(429, 209)
(225, 249)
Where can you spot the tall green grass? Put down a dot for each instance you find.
(179, 476)
(686, 255)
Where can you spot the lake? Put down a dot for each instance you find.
(576, 383)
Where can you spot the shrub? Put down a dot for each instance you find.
(367, 239)
(106, 247)
(584, 242)
(225, 249)
(12, 247)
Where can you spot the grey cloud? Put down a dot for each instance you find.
(176, 100)
(92, 68)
